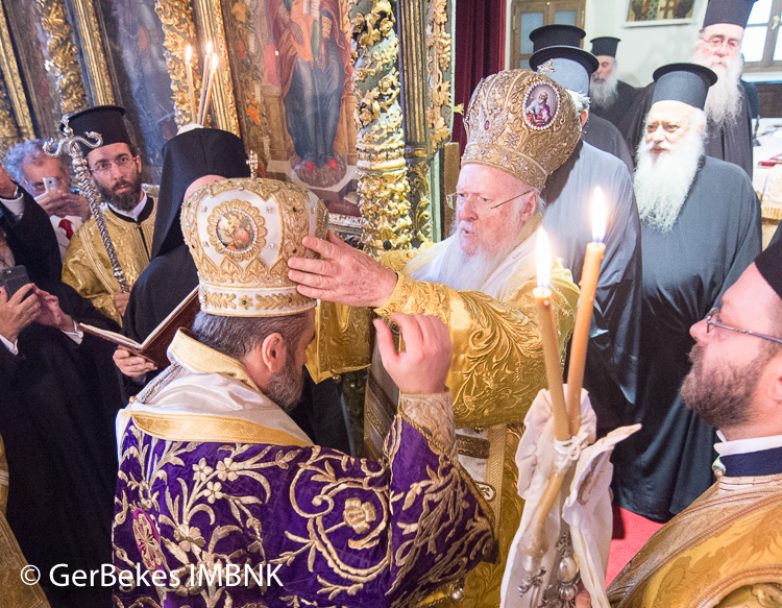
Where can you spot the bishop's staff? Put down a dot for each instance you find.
(70, 144)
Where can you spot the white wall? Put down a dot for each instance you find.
(643, 49)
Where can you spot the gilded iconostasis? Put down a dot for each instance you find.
(349, 98)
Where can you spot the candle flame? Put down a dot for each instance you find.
(215, 62)
(599, 215)
(208, 47)
(543, 258)
(189, 53)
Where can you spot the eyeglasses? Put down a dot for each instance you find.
(484, 204)
(715, 42)
(713, 321)
(122, 162)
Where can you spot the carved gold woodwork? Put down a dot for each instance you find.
(94, 52)
(439, 58)
(209, 18)
(413, 46)
(13, 82)
(62, 60)
(383, 190)
(176, 16)
(9, 133)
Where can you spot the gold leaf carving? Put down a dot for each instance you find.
(62, 61)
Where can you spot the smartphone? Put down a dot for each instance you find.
(13, 279)
(51, 184)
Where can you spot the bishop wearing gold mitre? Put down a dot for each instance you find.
(115, 167)
(479, 281)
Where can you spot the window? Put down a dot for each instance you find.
(762, 46)
(527, 15)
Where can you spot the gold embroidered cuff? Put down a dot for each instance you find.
(433, 413)
(417, 297)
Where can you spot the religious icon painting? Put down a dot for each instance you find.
(291, 63)
(541, 104)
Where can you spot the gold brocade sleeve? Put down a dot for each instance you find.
(343, 336)
(497, 366)
(78, 272)
(754, 596)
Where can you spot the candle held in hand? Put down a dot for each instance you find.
(548, 334)
(586, 299)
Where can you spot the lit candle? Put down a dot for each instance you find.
(586, 299)
(190, 88)
(548, 334)
(208, 101)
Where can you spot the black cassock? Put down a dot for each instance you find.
(614, 113)
(661, 469)
(610, 372)
(57, 410)
(729, 142)
(604, 136)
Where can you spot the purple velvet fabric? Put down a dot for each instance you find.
(343, 531)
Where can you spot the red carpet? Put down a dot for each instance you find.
(631, 532)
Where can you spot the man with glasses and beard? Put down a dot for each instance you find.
(130, 217)
(480, 281)
(214, 474)
(728, 126)
(726, 549)
(700, 228)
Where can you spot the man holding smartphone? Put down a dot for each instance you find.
(49, 181)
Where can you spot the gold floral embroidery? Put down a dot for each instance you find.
(359, 515)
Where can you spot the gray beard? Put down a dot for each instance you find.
(285, 388)
(662, 184)
(603, 92)
(723, 102)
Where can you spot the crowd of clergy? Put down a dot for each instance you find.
(235, 448)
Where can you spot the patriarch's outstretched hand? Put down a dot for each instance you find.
(343, 274)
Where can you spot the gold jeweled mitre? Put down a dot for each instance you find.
(523, 123)
(241, 233)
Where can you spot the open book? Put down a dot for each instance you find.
(156, 344)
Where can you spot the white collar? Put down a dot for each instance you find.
(746, 446)
(135, 212)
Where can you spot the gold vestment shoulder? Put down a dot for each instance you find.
(730, 538)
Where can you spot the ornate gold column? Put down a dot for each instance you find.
(9, 133)
(13, 83)
(413, 46)
(62, 60)
(94, 53)
(209, 17)
(176, 16)
(383, 189)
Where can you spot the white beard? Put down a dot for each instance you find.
(724, 99)
(662, 183)
(470, 272)
(603, 92)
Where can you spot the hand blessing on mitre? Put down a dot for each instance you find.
(342, 274)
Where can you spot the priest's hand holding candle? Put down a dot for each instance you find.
(548, 331)
(589, 277)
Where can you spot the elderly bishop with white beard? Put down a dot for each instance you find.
(729, 118)
(521, 126)
(700, 228)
